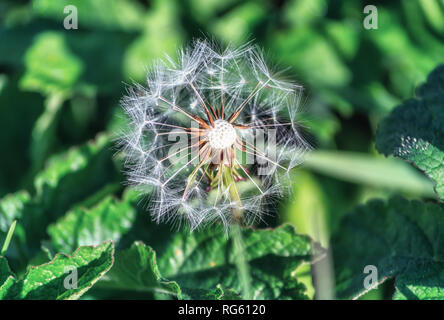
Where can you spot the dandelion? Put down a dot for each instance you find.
(214, 133)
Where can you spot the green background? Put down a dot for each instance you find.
(61, 88)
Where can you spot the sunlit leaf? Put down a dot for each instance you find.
(414, 131)
(402, 239)
(49, 281)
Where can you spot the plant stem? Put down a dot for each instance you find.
(241, 262)
(233, 194)
(8, 238)
(236, 233)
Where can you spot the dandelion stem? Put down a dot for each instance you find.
(241, 261)
(239, 248)
(233, 193)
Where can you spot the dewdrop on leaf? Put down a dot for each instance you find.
(214, 133)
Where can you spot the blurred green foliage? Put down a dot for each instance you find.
(60, 89)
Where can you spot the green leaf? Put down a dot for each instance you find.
(11, 207)
(414, 131)
(136, 269)
(49, 281)
(161, 35)
(237, 24)
(73, 175)
(430, 288)
(43, 136)
(312, 56)
(5, 272)
(204, 260)
(434, 13)
(198, 262)
(6, 277)
(344, 35)
(50, 66)
(362, 168)
(205, 11)
(405, 70)
(52, 70)
(302, 12)
(108, 220)
(219, 293)
(402, 239)
(68, 178)
(124, 221)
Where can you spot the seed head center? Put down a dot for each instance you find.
(222, 135)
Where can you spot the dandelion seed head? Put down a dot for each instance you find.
(222, 135)
(212, 132)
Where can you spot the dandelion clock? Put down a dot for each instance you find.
(214, 135)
